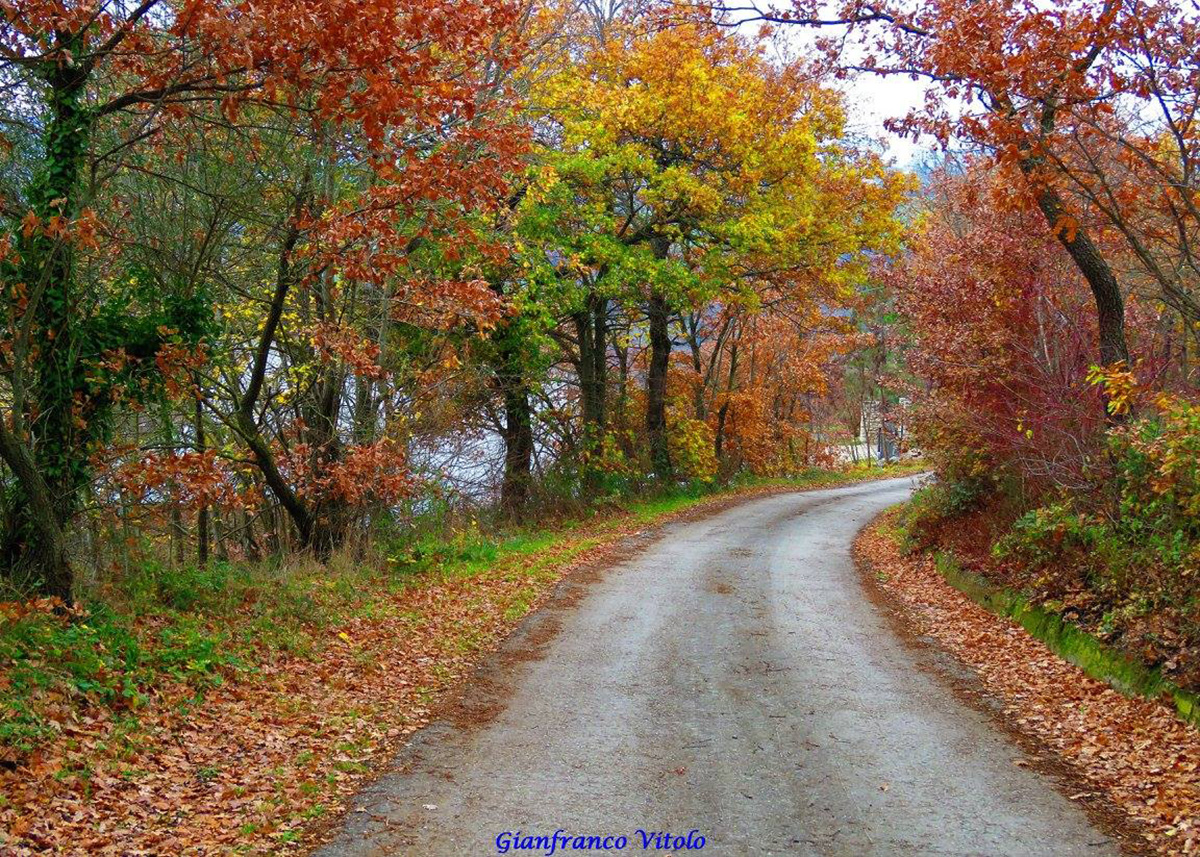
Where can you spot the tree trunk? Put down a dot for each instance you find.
(658, 313)
(591, 328)
(692, 329)
(48, 466)
(41, 521)
(202, 513)
(510, 362)
(243, 420)
(364, 409)
(719, 440)
(723, 412)
(622, 385)
(518, 449)
(1106, 291)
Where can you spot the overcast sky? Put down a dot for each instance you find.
(872, 99)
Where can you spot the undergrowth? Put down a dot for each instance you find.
(1118, 564)
(185, 629)
(1068, 640)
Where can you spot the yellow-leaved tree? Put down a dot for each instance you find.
(685, 173)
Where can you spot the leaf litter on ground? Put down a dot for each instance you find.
(262, 762)
(1135, 752)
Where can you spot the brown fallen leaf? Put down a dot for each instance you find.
(1133, 752)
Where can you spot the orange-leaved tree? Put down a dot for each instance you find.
(90, 88)
(1089, 108)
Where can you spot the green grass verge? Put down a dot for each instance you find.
(1068, 641)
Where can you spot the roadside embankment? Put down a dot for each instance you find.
(1132, 753)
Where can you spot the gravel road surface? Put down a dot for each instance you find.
(732, 678)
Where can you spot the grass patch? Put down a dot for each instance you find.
(1094, 657)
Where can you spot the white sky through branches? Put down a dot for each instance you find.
(871, 99)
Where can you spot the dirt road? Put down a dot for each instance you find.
(730, 679)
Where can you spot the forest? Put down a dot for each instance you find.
(306, 303)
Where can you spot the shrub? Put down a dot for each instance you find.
(692, 449)
(1137, 546)
(1067, 547)
(936, 503)
(1157, 462)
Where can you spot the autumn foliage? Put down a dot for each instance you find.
(1003, 333)
(320, 282)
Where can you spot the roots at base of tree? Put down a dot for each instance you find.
(32, 564)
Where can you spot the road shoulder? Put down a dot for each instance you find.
(1130, 763)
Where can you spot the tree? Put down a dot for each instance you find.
(685, 166)
(1001, 330)
(1037, 86)
(89, 87)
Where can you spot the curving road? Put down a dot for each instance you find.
(730, 678)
